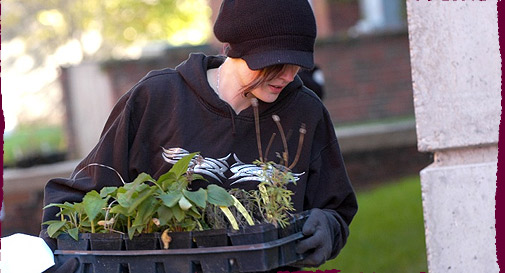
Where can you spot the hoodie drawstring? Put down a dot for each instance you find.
(232, 115)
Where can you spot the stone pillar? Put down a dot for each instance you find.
(456, 73)
(89, 100)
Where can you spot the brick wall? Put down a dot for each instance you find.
(22, 212)
(125, 73)
(367, 78)
(342, 14)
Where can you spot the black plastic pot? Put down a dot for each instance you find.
(211, 238)
(248, 235)
(227, 259)
(288, 253)
(106, 241)
(256, 248)
(300, 220)
(144, 241)
(179, 240)
(65, 242)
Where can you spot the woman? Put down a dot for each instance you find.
(204, 105)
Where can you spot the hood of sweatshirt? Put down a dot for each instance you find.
(194, 73)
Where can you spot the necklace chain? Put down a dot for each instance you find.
(218, 76)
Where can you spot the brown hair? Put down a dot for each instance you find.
(266, 74)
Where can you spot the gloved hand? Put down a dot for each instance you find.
(320, 235)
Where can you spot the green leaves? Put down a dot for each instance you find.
(106, 191)
(198, 197)
(273, 197)
(219, 196)
(166, 180)
(181, 208)
(93, 204)
(181, 166)
(170, 199)
(74, 233)
(133, 207)
(140, 198)
(184, 204)
(54, 227)
(118, 23)
(144, 214)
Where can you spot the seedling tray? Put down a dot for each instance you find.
(225, 259)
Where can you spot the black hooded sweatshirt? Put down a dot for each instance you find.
(172, 112)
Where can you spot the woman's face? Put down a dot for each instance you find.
(269, 90)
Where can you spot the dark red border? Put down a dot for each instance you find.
(2, 124)
(500, 200)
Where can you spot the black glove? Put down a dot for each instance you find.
(320, 232)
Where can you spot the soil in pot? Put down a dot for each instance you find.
(65, 242)
(144, 241)
(211, 238)
(106, 241)
(260, 233)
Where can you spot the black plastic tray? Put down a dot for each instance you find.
(226, 259)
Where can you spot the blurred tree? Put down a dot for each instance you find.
(101, 29)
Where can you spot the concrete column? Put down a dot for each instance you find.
(89, 103)
(456, 73)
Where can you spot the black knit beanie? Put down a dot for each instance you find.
(268, 32)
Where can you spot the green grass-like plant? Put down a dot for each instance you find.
(387, 233)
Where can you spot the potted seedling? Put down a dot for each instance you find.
(272, 197)
(145, 209)
(182, 210)
(78, 221)
(165, 213)
(69, 229)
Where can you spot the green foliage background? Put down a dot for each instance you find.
(387, 233)
(44, 25)
(29, 140)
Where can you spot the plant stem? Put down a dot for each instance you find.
(254, 103)
(74, 220)
(303, 131)
(269, 145)
(149, 226)
(285, 155)
(159, 187)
